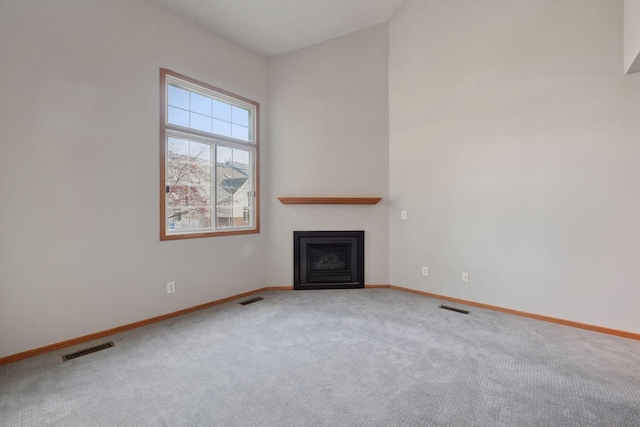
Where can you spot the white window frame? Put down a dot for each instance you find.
(214, 140)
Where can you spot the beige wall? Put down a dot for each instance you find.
(632, 36)
(79, 242)
(505, 129)
(514, 149)
(328, 134)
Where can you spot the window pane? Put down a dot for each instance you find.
(221, 127)
(221, 110)
(195, 111)
(223, 155)
(233, 186)
(200, 153)
(200, 196)
(223, 217)
(240, 132)
(200, 218)
(178, 117)
(240, 116)
(241, 160)
(177, 173)
(177, 195)
(242, 175)
(240, 208)
(199, 174)
(177, 219)
(224, 180)
(178, 149)
(201, 104)
(200, 122)
(178, 97)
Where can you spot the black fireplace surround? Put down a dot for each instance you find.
(328, 259)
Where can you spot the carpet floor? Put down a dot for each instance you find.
(365, 357)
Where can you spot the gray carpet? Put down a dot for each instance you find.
(375, 357)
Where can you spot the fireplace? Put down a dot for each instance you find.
(328, 259)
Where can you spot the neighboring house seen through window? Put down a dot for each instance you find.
(209, 158)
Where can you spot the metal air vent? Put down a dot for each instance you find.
(86, 351)
(251, 301)
(457, 310)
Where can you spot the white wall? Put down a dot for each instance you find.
(328, 134)
(632, 36)
(514, 149)
(79, 242)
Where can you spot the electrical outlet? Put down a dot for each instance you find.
(171, 287)
(425, 271)
(403, 214)
(465, 277)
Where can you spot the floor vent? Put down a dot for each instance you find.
(87, 351)
(251, 301)
(457, 310)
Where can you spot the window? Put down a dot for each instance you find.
(209, 160)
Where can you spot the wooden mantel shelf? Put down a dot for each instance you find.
(329, 200)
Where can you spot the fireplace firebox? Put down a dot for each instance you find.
(328, 259)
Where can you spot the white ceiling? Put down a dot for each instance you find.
(273, 27)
